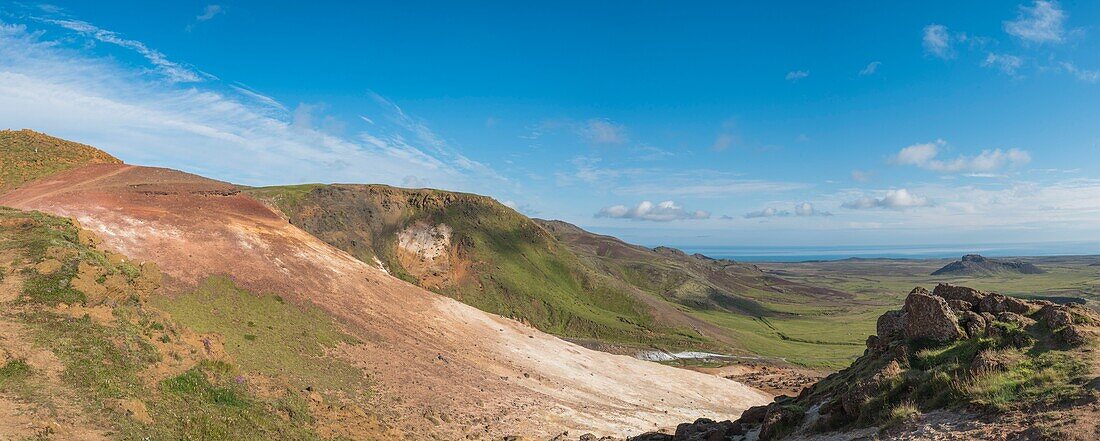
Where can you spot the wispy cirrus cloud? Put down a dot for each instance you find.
(167, 113)
(1006, 63)
(938, 42)
(173, 71)
(1042, 22)
(666, 211)
(871, 68)
(926, 156)
(796, 75)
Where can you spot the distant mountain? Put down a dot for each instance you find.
(26, 155)
(976, 265)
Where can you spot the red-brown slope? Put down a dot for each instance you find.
(429, 354)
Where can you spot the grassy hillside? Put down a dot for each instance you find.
(85, 354)
(26, 155)
(751, 310)
(573, 283)
(496, 259)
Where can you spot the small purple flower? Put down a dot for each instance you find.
(239, 379)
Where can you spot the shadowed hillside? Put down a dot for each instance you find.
(26, 155)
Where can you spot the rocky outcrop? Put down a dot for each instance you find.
(896, 370)
(976, 265)
(928, 317)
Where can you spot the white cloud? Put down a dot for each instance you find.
(796, 75)
(526, 209)
(924, 156)
(601, 131)
(647, 211)
(767, 212)
(1005, 62)
(210, 11)
(937, 41)
(871, 68)
(893, 199)
(1043, 22)
(804, 209)
(64, 88)
(1088, 76)
(173, 71)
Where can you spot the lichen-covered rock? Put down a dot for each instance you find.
(997, 303)
(973, 323)
(1070, 335)
(952, 292)
(1014, 318)
(928, 317)
(890, 324)
(960, 305)
(991, 361)
(1055, 316)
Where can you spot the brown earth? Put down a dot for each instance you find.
(443, 368)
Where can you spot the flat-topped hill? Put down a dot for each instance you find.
(976, 265)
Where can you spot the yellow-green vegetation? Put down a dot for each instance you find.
(504, 262)
(26, 155)
(1011, 367)
(264, 334)
(108, 361)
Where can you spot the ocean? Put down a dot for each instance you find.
(806, 253)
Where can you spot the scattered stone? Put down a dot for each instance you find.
(704, 429)
(991, 361)
(928, 317)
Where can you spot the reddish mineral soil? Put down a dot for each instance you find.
(427, 354)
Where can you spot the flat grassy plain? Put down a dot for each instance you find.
(833, 335)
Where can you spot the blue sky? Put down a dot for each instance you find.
(775, 123)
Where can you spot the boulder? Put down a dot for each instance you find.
(1055, 316)
(990, 361)
(778, 421)
(753, 415)
(704, 429)
(952, 292)
(1014, 318)
(890, 324)
(997, 303)
(960, 305)
(1070, 335)
(928, 317)
(973, 323)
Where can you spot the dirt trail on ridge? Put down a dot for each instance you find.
(432, 358)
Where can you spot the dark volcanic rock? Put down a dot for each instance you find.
(928, 317)
(975, 265)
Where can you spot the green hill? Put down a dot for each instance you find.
(596, 290)
(26, 155)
